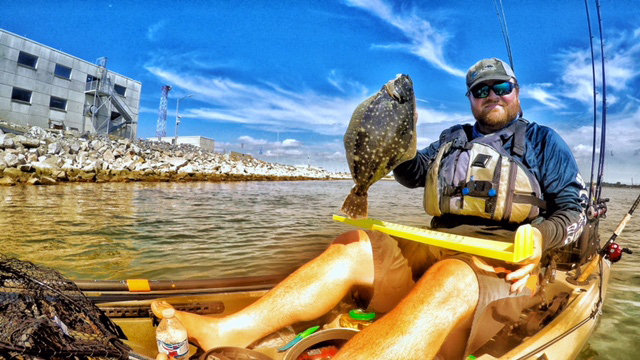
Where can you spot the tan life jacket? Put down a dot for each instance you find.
(481, 178)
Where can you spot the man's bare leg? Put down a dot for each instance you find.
(308, 293)
(443, 300)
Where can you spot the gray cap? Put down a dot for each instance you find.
(489, 69)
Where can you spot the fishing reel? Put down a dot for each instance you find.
(613, 252)
(598, 209)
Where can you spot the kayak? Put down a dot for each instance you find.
(557, 326)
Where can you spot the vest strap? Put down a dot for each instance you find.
(520, 138)
(529, 199)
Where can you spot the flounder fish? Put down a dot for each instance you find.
(380, 136)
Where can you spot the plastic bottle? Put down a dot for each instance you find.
(171, 336)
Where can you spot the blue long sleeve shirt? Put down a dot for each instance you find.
(550, 160)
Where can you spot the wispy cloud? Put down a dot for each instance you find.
(246, 139)
(344, 84)
(424, 40)
(263, 103)
(622, 51)
(540, 93)
(291, 143)
(152, 31)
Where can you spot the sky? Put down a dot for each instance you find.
(280, 79)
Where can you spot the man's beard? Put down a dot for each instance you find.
(495, 120)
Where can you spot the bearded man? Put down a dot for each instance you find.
(481, 180)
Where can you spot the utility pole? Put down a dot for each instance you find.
(178, 115)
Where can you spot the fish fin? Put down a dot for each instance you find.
(356, 205)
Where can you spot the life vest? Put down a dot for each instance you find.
(481, 178)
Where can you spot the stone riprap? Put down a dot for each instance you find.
(36, 156)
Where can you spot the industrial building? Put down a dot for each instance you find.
(45, 87)
(200, 141)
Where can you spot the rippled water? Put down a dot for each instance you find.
(204, 230)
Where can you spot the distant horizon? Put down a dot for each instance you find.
(279, 81)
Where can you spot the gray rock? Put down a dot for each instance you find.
(108, 156)
(41, 165)
(74, 148)
(177, 162)
(30, 143)
(28, 168)
(93, 166)
(54, 161)
(6, 141)
(37, 132)
(96, 144)
(68, 164)
(11, 160)
(54, 148)
(189, 169)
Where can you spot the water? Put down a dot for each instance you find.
(204, 230)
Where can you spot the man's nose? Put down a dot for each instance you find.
(492, 95)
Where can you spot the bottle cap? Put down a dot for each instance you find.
(358, 314)
(168, 313)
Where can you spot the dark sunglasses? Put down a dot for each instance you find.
(481, 91)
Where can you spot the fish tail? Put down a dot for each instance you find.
(356, 205)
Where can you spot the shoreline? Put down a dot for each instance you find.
(37, 156)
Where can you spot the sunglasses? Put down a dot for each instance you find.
(481, 91)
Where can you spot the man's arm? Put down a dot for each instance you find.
(564, 191)
(413, 173)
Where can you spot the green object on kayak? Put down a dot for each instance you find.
(518, 250)
(299, 337)
(358, 314)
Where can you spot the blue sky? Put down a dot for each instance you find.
(285, 76)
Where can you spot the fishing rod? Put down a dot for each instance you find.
(597, 206)
(603, 134)
(502, 19)
(595, 107)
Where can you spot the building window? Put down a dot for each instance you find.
(115, 115)
(27, 60)
(63, 71)
(21, 95)
(58, 103)
(120, 89)
(91, 78)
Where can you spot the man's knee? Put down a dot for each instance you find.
(454, 275)
(351, 237)
(354, 244)
(353, 249)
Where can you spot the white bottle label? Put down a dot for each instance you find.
(176, 350)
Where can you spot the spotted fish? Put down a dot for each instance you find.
(381, 135)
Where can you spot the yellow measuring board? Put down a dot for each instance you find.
(520, 249)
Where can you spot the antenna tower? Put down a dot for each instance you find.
(161, 128)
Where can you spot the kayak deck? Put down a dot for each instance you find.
(562, 337)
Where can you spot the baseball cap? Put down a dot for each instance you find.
(489, 69)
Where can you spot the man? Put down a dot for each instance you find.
(436, 300)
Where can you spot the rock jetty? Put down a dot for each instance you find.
(37, 156)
